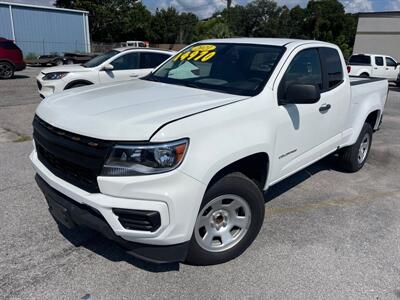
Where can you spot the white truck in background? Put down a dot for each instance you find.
(173, 166)
(374, 65)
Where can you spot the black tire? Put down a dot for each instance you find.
(364, 75)
(237, 185)
(69, 62)
(6, 70)
(349, 156)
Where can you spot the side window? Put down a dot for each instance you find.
(8, 45)
(390, 62)
(150, 60)
(305, 68)
(333, 67)
(128, 61)
(379, 60)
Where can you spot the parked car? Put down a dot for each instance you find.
(71, 58)
(11, 59)
(135, 44)
(373, 65)
(116, 65)
(44, 60)
(174, 167)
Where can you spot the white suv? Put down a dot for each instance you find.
(116, 65)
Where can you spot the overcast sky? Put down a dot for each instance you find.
(204, 8)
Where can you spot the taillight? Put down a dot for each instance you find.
(348, 69)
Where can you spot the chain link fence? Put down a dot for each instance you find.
(33, 49)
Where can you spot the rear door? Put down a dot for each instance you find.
(379, 69)
(335, 94)
(391, 68)
(126, 67)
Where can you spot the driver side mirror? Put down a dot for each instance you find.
(108, 67)
(301, 94)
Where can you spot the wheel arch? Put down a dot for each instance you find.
(7, 61)
(78, 81)
(255, 166)
(373, 118)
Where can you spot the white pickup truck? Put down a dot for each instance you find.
(374, 65)
(173, 166)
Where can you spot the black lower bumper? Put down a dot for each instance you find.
(73, 214)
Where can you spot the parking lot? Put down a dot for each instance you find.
(327, 234)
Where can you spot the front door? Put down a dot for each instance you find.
(391, 69)
(126, 67)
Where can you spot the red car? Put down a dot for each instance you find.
(11, 59)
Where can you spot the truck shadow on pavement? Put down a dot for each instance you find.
(98, 244)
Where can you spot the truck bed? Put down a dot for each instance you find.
(367, 94)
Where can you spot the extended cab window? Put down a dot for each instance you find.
(360, 59)
(128, 61)
(8, 45)
(305, 68)
(379, 60)
(333, 66)
(390, 62)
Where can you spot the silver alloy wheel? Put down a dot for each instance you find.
(5, 70)
(222, 223)
(364, 148)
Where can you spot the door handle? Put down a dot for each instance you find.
(387, 68)
(325, 107)
(376, 68)
(134, 75)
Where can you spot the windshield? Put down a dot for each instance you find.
(98, 60)
(241, 69)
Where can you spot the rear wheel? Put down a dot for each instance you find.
(6, 70)
(354, 157)
(364, 75)
(229, 220)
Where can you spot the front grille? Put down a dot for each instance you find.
(39, 85)
(74, 158)
(143, 220)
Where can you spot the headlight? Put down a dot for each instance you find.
(127, 160)
(54, 75)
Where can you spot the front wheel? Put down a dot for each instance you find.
(354, 157)
(229, 219)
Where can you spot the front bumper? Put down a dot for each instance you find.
(72, 214)
(47, 88)
(175, 195)
(20, 66)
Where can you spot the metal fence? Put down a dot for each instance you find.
(35, 48)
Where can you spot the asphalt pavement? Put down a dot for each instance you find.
(326, 235)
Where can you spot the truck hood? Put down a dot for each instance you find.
(66, 68)
(126, 111)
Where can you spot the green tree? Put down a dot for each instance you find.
(116, 20)
(212, 28)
